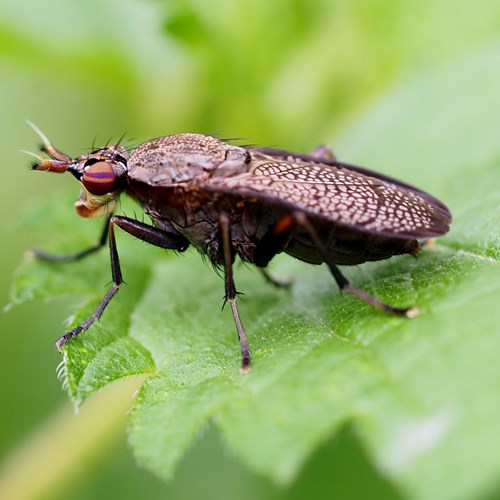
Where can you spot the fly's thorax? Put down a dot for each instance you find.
(184, 158)
(199, 227)
(180, 203)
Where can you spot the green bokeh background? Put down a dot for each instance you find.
(288, 73)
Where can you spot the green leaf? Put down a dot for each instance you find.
(420, 394)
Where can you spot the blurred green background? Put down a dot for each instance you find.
(288, 73)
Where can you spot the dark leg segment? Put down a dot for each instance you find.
(324, 152)
(40, 254)
(273, 242)
(341, 280)
(231, 293)
(287, 283)
(144, 232)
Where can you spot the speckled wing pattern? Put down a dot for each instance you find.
(346, 195)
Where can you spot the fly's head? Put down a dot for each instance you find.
(102, 174)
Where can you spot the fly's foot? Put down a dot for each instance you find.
(61, 341)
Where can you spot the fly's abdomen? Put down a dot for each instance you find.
(348, 247)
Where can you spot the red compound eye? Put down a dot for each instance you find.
(99, 178)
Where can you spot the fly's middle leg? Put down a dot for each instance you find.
(230, 288)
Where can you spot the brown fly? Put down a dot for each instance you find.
(250, 202)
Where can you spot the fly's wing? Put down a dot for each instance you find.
(281, 154)
(343, 194)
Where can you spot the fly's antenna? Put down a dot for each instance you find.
(47, 147)
(45, 164)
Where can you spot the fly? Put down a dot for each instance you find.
(250, 202)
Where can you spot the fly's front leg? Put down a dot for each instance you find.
(40, 254)
(144, 232)
(231, 294)
(341, 280)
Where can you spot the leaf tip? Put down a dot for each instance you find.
(7, 307)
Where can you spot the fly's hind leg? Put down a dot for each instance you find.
(342, 281)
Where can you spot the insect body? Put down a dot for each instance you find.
(249, 202)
